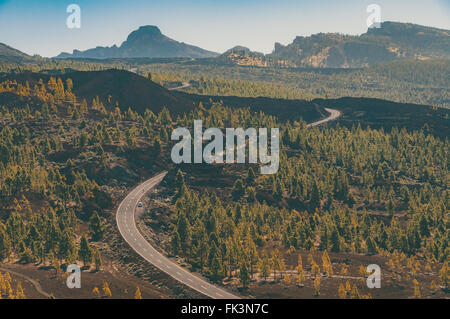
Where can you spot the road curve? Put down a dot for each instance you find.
(125, 219)
(183, 86)
(126, 223)
(334, 114)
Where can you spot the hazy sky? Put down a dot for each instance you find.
(39, 27)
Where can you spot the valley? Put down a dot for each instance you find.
(88, 176)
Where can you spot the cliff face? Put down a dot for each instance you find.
(392, 41)
(146, 42)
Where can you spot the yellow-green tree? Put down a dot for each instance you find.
(138, 295)
(317, 286)
(417, 293)
(106, 290)
(341, 291)
(19, 291)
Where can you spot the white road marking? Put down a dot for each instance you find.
(126, 214)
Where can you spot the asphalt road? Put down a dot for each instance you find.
(127, 227)
(334, 114)
(185, 85)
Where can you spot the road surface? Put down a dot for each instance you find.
(183, 86)
(127, 227)
(334, 114)
(125, 219)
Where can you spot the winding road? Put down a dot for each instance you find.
(183, 86)
(334, 114)
(127, 226)
(126, 223)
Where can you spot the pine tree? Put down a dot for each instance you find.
(326, 264)
(55, 263)
(251, 176)
(287, 279)
(96, 292)
(265, 266)
(317, 286)
(138, 295)
(8, 289)
(106, 290)
(348, 286)
(19, 291)
(444, 274)
(341, 292)
(244, 275)
(355, 293)
(67, 248)
(85, 251)
(371, 246)
(217, 270)
(315, 196)
(335, 244)
(157, 146)
(175, 242)
(97, 260)
(96, 227)
(5, 244)
(252, 255)
(417, 293)
(183, 228)
(238, 190)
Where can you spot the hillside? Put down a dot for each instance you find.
(131, 90)
(146, 42)
(11, 55)
(126, 89)
(111, 86)
(393, 41)
(378, 113)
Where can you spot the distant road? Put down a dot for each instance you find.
(183, 86)
(334, 114)
(125, 219)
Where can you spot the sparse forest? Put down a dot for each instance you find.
(339, 190)
(359, 191)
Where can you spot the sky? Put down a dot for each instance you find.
(39, 27)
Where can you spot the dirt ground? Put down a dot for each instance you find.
(42, 282)
(394, 284)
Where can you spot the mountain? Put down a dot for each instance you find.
(11, 55)
(240, 55)
(146, 42)
(392, 41)
(243, 56)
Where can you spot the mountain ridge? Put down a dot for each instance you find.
(145, 42)
(9, 54)
(392, 41)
